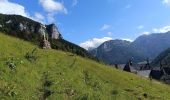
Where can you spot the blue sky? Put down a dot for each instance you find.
(91, 22)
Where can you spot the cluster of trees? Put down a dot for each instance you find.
(64, 45)
(164, 58)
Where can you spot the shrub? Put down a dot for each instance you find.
(83, 97)
(11, 64)
(114, 92)
(46, 86)
(9, 90)
(32, 56)
(86, 77)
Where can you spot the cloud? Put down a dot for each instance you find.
(109, 33)
(130, 40)
(94, 43)
(166, 2)
(157, 30)
(162, 29)
(105, 27)
(140, 27)
(7, 7)
(39, 17)
(75, 2)
(50, 17)
(145, 33)
(52, 7)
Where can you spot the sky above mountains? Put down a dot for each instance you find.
(89, 23)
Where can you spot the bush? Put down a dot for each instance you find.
(11, 64)
(114, 92)
(9, 90)
(86, 77)
(32, 56)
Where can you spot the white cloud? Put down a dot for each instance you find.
(145, 33)
(7, 7)
(105, 27)
(50, 18)
(162, 29)
(130, 40)
(53, 7)
(140, 27)
(94, 43)
(166, 2)
(75, 2)
(39, 17)
(109, 33)
(157, 30)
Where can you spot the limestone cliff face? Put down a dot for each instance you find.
(42, 30)
(39, 34)
(53, 31)
(18, 24)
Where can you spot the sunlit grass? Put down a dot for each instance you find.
(60, 75)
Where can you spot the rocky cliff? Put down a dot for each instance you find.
(46, 36)
(16, 23)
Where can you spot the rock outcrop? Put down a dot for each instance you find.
(46, 44)
(53, 31)
(29, 29)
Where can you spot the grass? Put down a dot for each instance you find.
(57, 75)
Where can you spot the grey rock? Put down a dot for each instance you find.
(53, 31)
(42, 30)
(8, 22)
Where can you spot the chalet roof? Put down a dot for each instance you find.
(129, 68)
(156, 74)
(167, 70)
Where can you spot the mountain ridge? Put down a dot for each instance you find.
(143, 47)
(35, 32)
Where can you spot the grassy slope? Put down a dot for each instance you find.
(164, 57)
(72, 77)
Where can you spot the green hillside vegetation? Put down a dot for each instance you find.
(67, 46)
(31, 34)
(30, 73)
(13, 28)
(163, 58)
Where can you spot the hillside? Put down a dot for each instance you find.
(32, 31)
(163, 58)
(151, 45)
(117, 52)
(145, 46)
(26, 72)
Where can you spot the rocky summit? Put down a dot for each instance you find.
(45, 36)
(143, 47)
(15, 23)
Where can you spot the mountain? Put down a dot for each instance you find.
(26, 28)
(29, 72)
(152, 45)
(116, 52)
(145, 46)
(36, 32)
(163, 58)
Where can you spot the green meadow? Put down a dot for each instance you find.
(28, 72)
